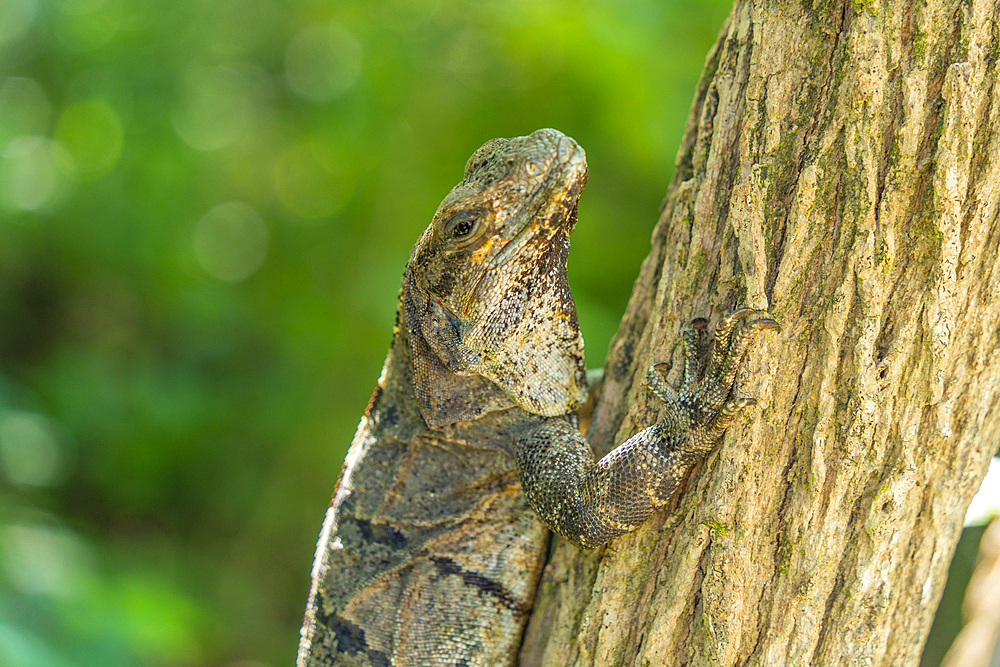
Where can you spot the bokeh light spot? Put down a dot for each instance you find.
(214, 108)
(312, 181)
(43, 560)
(83, 25)
(322, 62)
(16, 16)
(230, 241)
(92, 135)
(29, 449)
(24, 107)
(28, 175)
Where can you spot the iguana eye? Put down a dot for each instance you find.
(464, 228)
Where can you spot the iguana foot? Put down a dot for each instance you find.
(706, 402)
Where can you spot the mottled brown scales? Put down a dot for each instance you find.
(429, 555)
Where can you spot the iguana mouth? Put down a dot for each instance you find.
(567, 176)
(550, 209)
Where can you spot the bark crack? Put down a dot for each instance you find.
(819, 108)
(895, 84)
(825, 89)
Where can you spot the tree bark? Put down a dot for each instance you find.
(839, 167)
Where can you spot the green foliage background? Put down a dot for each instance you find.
(179, 380)
(205, 208)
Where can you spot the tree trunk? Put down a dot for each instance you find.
(838, 168)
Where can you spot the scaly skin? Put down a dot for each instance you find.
(592, 503)
(429, 555)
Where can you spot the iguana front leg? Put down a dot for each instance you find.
(592, 502)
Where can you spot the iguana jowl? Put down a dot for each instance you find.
(429, 556)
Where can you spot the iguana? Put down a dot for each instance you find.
(429, 555)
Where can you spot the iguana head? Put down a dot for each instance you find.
(486, 288)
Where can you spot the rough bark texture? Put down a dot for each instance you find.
(840, 168)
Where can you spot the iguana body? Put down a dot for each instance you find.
(429, 555)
